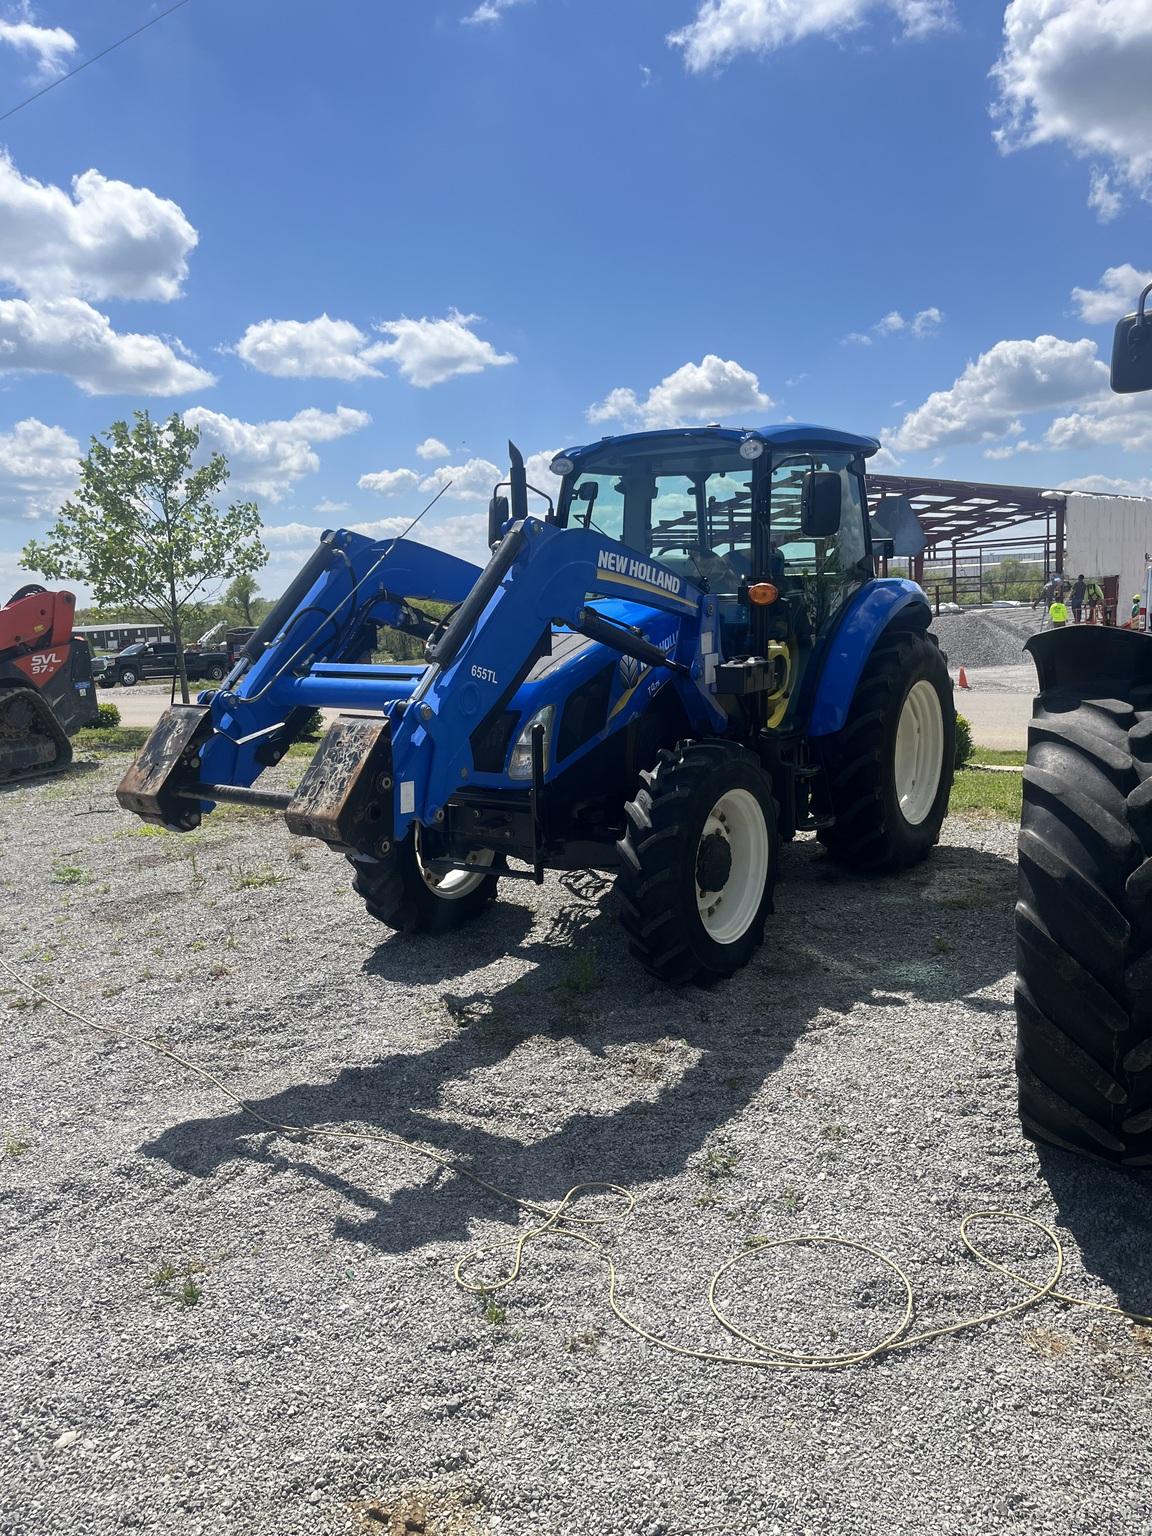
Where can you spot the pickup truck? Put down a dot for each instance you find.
(157, 658)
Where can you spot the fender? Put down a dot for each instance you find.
(865, 619)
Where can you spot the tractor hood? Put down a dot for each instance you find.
(582, 692)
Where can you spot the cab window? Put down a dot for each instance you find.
(825, 571)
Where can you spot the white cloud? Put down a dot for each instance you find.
(104, 240)
(465, 535)
(268, 457)
(425, 351)
(1076, 72)
(69, 337)
(306, 349)
(304, 535)
(1109, 485)
(1010, 450)
(489, 11)
(722, 29)
(540, 476)
(51, 46)
(1121, 421)
(429, 351)
(1009, 380)
(107, 240)
(325, 506)
(432, 449)
(1119, 289)
(705, 391)
(390, 482)
(471, 481)
(1103, 198)
(39, 467)
(924, 322)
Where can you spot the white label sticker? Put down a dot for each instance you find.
(407, 796)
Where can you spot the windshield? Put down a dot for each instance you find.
(698, 524)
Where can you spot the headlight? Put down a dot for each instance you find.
(561, 465)
(520, 765)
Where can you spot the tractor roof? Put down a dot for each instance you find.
(708, 440)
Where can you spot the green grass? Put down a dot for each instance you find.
(69, 874)
(1001, 759)
(118, 738)
(995, 795)
(252, 879)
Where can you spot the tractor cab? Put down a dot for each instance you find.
(772, 523)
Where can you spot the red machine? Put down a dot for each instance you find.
(46, 688)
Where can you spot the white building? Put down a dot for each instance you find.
(1109, 536)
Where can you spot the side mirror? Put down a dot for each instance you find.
(820, 504)
(497, 517)
(894, 522)
(1132, 350)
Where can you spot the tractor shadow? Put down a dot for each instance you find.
(1109, 1214)
(678, 1065)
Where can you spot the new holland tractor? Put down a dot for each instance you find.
(682, 663)
(1084, 914)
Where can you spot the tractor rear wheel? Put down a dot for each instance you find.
(399, 891)
(888, 773)
(1084, 927)
(698, 862)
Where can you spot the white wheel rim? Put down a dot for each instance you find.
(728, 913)
(919, 752)
(455, 883)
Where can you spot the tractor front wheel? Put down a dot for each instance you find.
(888, 774)
(402, 893)
(698, 862)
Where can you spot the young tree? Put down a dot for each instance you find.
(143, 529)
(240, 594)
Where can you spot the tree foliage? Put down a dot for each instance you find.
(143, 529)
(240, 595)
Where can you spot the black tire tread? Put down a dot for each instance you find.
(1084, 930)
(864, 831)
(649, 851)
(393, 891)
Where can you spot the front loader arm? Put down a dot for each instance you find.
(405, 764)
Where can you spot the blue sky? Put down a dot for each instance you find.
(551, 219)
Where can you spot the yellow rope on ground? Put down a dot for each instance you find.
(563, 1221)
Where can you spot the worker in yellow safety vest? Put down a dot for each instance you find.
(1058, 613)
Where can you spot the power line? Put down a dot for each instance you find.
(111, 48)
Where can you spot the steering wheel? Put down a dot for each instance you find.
(712, 568)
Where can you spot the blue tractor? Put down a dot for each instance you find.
(677, 666)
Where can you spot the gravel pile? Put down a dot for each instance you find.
(986, 637)
(209, 1328)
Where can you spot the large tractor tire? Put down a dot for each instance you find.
(1084, 927)
(888, 773)
(401, 893)
(698, 862)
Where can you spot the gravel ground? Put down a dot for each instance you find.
(987, 637)
(209, 1328)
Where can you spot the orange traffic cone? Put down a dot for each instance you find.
(963, 679)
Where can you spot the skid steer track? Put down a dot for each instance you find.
(31, 739)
